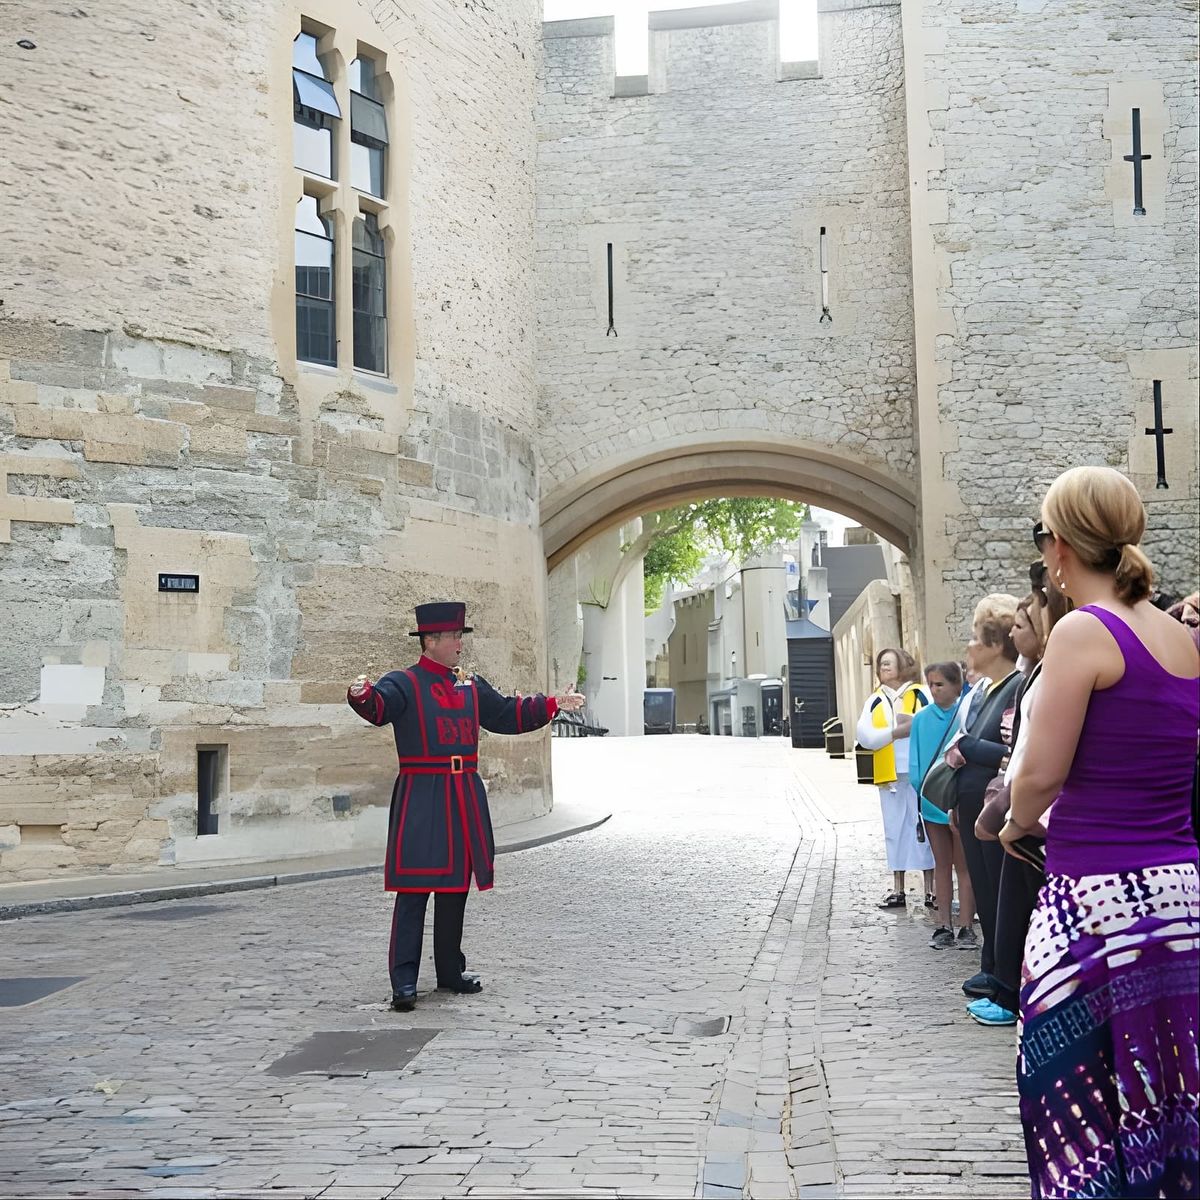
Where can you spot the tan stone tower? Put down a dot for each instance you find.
(266, 354)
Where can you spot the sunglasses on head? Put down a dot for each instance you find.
(1040, 534)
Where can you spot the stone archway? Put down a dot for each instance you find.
(577, 514)
(748, 464)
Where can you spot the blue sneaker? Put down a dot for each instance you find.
(987, 1012)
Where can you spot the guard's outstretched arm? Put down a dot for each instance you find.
(380, 703)
(513, 714)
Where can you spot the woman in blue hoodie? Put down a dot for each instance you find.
(933, 729)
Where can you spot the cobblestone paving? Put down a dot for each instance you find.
(698, 998)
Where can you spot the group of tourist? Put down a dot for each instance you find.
(1080, 700)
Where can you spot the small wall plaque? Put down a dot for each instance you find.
(178, 583)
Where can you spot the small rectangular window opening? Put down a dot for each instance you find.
(612, 329)
(1137, 158)
(212, 765)
(826, 315)
(316, 332)
(314, 109)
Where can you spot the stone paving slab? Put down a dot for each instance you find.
(732, 894)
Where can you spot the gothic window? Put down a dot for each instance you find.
(316, 338)
(368, 128)
(370, 295)
(341, 293)
(314, 109)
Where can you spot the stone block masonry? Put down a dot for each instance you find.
(999, 313)
(1059, 305)
(712, 191)
(994, 316)
(153, 419)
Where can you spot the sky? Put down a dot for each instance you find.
(797, 26)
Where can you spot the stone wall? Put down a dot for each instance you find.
(153, 418)
(870, 624)
(712, 190)
(1053, 306)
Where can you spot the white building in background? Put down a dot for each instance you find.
(658, 627)
(598, 632)
(764, 590)
(812, 576)
(729, 639)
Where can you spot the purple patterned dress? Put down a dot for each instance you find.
(1108, 1069)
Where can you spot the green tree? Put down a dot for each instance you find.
(673, 543)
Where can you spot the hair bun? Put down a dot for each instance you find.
(1098, 513)
(1134, 574)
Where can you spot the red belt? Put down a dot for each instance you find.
(454, 764)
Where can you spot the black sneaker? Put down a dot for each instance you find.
(943, 938)
(980, 984)
(967, 938)
(465, 985)
(405, 1000)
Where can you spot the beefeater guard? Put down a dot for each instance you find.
(440, 829)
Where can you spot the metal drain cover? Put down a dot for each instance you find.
(354, 1053)
(15, 993)
(700, 1026)
(173, 912)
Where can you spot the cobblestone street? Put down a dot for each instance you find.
(698, 998)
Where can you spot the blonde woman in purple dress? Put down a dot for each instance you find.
(1108, 1069)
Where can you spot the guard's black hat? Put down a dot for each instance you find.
(443, 617)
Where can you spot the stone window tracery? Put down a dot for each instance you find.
(316, 330)
(368, 128)
(370, 295)
(341, 119)
(314, 109)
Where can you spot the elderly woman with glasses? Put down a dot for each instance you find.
(884, 729)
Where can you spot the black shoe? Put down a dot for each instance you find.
(465, 985)
(980, 984)
(405, 1000)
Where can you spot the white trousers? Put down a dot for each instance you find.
(899, 804)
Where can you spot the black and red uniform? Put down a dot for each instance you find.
(440, 829)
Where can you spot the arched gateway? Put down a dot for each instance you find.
(691, 468)
(720, 314)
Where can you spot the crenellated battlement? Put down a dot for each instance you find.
(686, 48)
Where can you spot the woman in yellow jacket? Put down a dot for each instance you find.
(883, 728)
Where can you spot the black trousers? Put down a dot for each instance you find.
(408, 934)
(1019, 887)
(984, 863)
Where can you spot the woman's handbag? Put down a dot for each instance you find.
(997, 798)
(940, 784)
